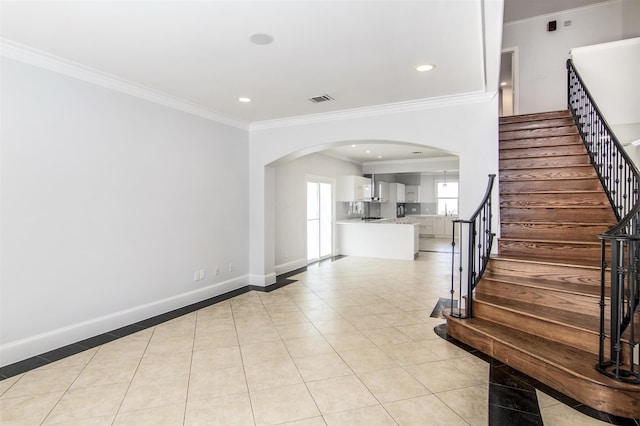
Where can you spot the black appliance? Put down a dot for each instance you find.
(400, 210)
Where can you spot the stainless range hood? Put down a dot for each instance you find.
(376, 189)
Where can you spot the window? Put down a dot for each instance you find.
(447, 195)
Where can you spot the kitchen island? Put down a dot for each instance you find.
(385, 238)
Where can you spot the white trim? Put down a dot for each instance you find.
(35, 345)
(291, 266)
(605, 46)
(561, 12)
(515, 76)
(22, 53)
(376, 110)
(262, 280)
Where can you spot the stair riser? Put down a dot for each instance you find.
(541, 124)
(539, 133)
(560, 273)
(597, 395)
(562, 333)
(552, 231)
(563, 145)
(591, 394)
(542, 185)
(510, 214)
(575, 172)
(554, 200)
(539, 162)
(559, 251)
(541, 151)
(540, 296)
(535, 117)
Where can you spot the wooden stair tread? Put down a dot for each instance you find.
(572, 361)
(555, 191)
(569, 141)
(574, 319)
(515, 222)
(535, 116)
(564, 287)
(534, 240)
(575, 166)
(555, 206)
(553, 262)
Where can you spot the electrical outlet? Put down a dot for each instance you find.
(196, 276)
(217, 270)
(286, 254)
(203, 274)
(231, 267)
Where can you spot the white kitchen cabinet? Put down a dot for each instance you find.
(383, 191)
(412, 193)
(389, 207)
(400, 195)
(353, 188)
(438, 225)
(448, 225)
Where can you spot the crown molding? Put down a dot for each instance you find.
(560, 12)
(19, 52)
(376, 110)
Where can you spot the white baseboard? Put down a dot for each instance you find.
(291, 266)
(262, 280)
(41, 343)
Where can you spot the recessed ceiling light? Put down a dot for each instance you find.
(504, 83)
(261, 39)
(353, 146)
(379, 156)
(245, 100)
(425, 67)
(368, 152)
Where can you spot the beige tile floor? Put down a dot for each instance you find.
(350, 343)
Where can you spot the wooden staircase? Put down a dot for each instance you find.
(537, 306)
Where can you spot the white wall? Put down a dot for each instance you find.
(475, 142)
(542, 55)
(291, 204)
(610, 72)
(630, 18)
(109, 205)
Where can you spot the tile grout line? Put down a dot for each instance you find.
(193, 346)
(133, 377)
(244, 370)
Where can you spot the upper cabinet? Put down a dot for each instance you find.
(400, 192)
(412, 194)
(353, 188)
(382, 191)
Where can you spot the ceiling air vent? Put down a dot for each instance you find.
(321, 98)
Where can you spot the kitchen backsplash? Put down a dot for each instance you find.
(421, 208)
(358, 209)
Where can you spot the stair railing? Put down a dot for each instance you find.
(478, 240)
(620, 178)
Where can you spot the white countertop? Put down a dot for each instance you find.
(396, 221)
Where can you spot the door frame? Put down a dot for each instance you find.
(332, 181)
(515, 76)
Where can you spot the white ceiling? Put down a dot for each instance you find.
(361, 53)
(369, 152)
(515, 10)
